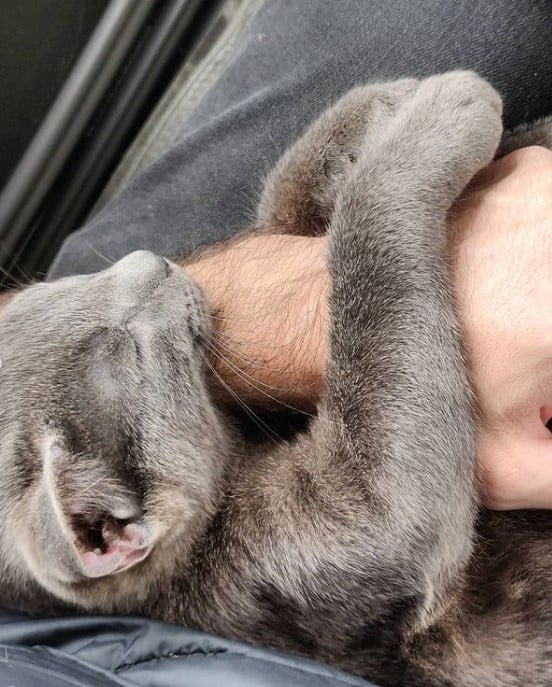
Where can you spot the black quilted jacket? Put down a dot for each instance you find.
(115, 651)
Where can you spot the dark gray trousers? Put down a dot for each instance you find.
(297, 56)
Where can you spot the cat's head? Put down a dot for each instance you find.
(111, 451)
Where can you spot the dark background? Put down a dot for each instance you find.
(40, 41)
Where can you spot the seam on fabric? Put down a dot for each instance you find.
(341, 679)
(173, 654)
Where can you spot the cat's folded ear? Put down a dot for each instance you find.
(82, 520)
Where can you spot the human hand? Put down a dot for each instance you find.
(502, 249)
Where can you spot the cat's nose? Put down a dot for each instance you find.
(142, 263)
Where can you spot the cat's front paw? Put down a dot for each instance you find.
(459, 119)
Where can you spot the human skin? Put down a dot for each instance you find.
(501, 244)
(269, 300)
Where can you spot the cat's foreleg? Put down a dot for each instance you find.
(397, 426)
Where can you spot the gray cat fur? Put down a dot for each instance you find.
(359, 541)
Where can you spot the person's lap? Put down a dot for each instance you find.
(295, 59)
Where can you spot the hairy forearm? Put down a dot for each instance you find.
(268, 296)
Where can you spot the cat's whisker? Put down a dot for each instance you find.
(220, 337)
(17, 282)
(263, 426)
(109, 260)
(20, 270)
(105, 481)
(220, 354)
(240, 354)
(254, 383)
(235, 353)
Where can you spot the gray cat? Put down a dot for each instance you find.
(125, 489)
